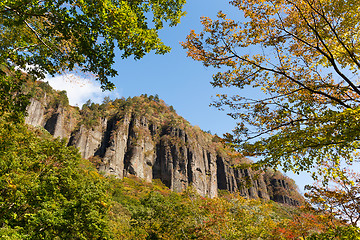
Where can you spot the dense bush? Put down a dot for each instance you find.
(45, 192)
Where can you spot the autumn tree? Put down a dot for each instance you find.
(47, 36)
(303, 58)
(340, 198)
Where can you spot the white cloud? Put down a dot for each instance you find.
(80, 89)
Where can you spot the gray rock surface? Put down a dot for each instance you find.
(36, 113)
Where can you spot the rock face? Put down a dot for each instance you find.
(127, 142)
(58, 122)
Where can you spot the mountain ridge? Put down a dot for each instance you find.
(144, 137)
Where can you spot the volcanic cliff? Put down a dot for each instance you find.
(143, 136)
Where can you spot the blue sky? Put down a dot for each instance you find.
(177, 79)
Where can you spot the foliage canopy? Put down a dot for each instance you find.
(303, 57)
(52, 36)
(47, 191)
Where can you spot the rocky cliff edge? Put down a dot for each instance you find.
(143, 136)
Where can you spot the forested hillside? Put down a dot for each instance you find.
(50, 192)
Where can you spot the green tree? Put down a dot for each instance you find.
(303, 57)
(47, 36)
(47, 191)
(12, 102)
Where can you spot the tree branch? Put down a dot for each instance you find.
(328, 56)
